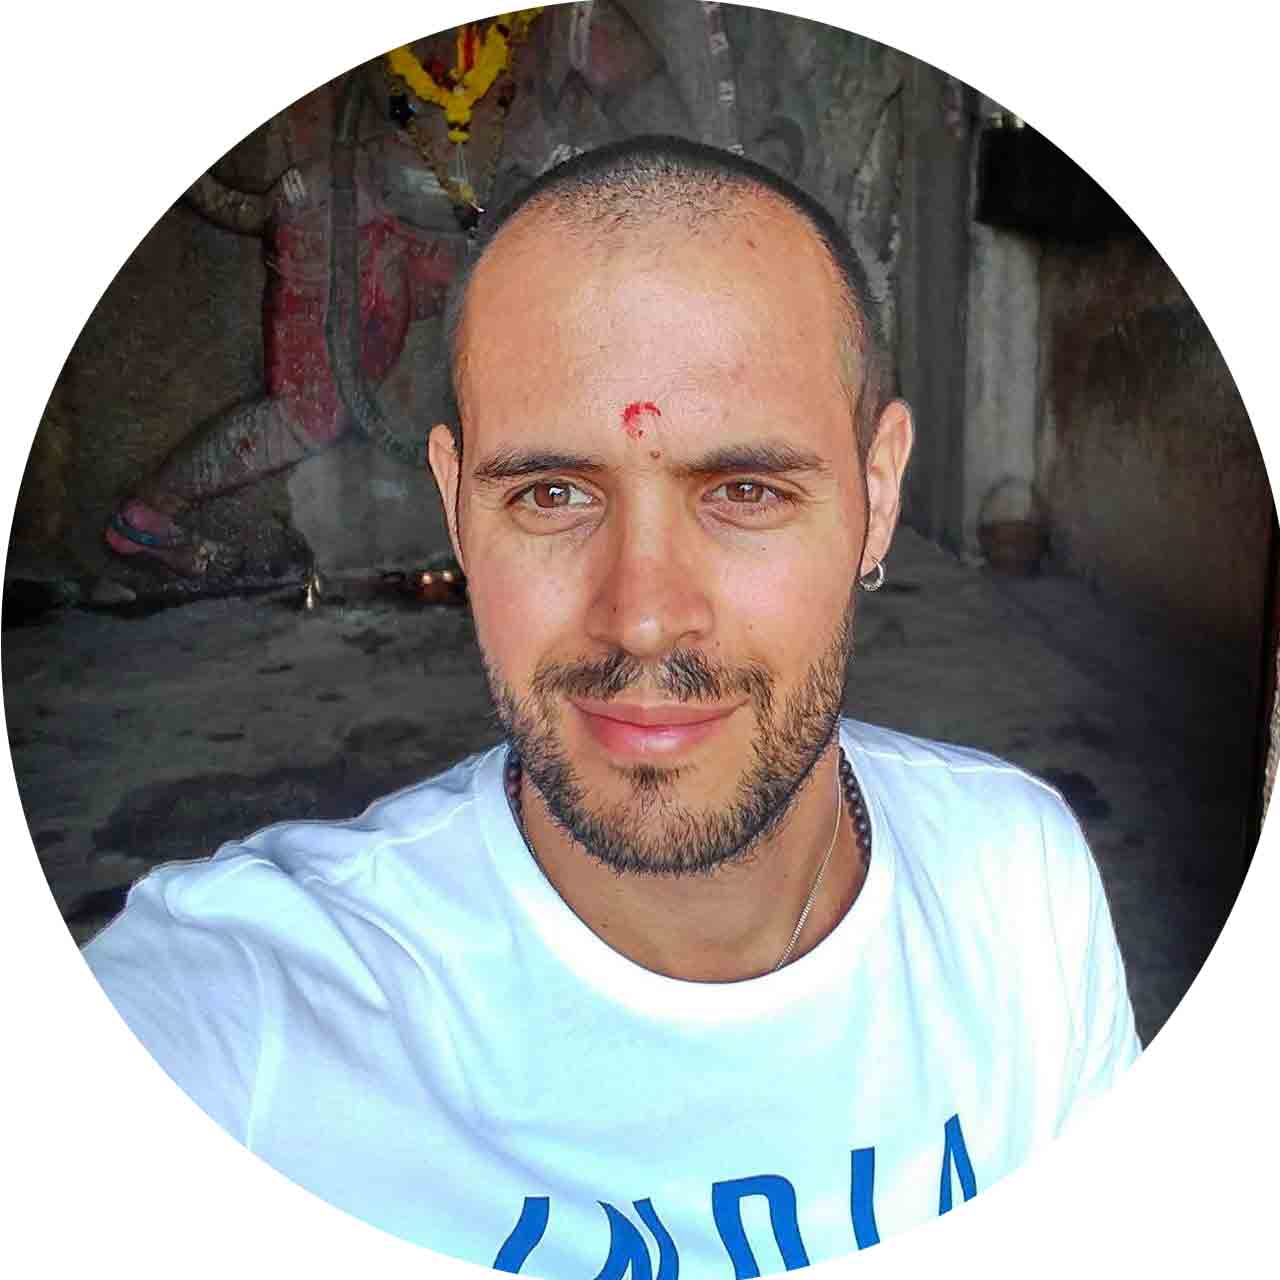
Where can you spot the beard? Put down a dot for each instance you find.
(652, 832)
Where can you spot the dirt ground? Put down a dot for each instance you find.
(139, 738)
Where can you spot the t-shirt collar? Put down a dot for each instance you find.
(572, 944)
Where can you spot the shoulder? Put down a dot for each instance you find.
(993, 860)
(958, 808)
(198, 956)
(427, 817)
(942, 770)
(288, 885)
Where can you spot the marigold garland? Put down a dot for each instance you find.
(474, 72)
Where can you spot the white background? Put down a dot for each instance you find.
(110, 110)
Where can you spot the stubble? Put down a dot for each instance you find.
(653, 830)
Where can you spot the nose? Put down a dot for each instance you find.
(650, 594)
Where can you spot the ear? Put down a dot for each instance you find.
(885, 466)
(446, 466)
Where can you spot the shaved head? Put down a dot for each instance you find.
(687, 190)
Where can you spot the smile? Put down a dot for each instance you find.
(665, 729)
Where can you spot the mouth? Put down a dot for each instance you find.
(649, 730)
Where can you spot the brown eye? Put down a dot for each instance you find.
(550, 495)
(754, 499)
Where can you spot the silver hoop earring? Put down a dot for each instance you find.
(873, 580)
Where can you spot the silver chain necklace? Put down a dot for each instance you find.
(817, 881)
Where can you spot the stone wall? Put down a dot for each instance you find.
(1152, 476)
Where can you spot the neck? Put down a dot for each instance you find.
(726, 925)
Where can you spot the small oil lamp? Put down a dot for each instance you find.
(311, 590)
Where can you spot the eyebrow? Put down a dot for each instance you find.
(514, 464)
(771, 457)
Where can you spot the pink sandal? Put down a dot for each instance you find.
(137, 529)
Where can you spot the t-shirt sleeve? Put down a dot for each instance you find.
(1104, 1038)
(191, 994)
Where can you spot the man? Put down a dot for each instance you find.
(692, 976)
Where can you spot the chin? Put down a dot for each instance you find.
(681, 803)
(661, 820)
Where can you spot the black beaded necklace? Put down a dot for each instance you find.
(849, 786)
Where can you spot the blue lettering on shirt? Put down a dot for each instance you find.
(954, 1150)
(862, 1185)
(525, 1235)
(628, 1249)
(629, 1257)
(726, 1208)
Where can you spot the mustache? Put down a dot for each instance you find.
(685, 675)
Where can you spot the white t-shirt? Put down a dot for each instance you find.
(400, 1013)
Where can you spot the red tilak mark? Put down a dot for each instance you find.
(633, 411)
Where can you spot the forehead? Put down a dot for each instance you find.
(739, 317)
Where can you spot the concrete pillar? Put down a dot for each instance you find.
(932, 297)
(1002, 359)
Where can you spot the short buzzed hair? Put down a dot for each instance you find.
(656, 178)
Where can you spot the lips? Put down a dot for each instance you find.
(663, 729)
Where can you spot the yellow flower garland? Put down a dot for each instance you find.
(470, 84)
